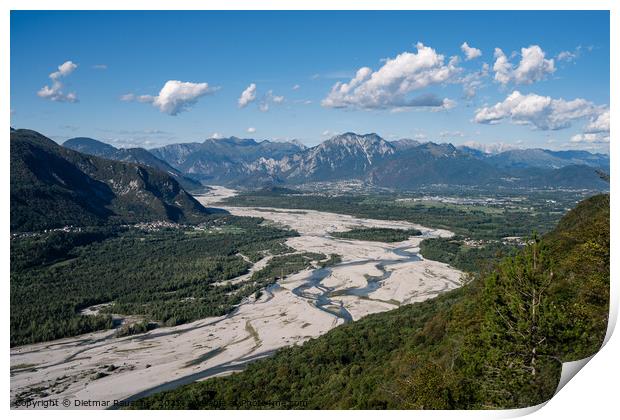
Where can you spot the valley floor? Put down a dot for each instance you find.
(372, 277)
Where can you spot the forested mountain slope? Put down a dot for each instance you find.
(52, 186)
(497, 342)
(134, 155)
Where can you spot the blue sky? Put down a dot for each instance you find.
(151, 78)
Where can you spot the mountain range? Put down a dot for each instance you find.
(53, 186)
(86, 181)
(133, 155)
(401, 164)
(224, 160)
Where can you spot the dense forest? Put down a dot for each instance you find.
(377, 234)
(497, 342)
(168, 275)
(458, 254)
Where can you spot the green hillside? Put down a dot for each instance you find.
(52, 186)
(497, 342)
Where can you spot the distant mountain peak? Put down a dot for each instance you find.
(89, 146)
(298, 143)
(402, 144)
(232, 140)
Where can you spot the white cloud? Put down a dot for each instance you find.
(542, 112)
(217, 135)
(55, 92)
(64, 70)
(269, 98)
(599, 124)
(567, 56)
(502, 67)
(390, 86)
(296, 87)
(275, 98)
(590, 138)
(448, 104)
(145, 99)
(490, 147)
(251, 130)
(571, 56)
(470, 52)
(532, 67)
(174, 97)
(247, 96)
(474, 81)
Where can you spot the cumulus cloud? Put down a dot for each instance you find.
(64, 70)
(55, 92)
(470, 52)
(532, 67)
(296, 87)
(247, 96)
(390, 86)
(175, 97)
(542, 112)
(251, 130)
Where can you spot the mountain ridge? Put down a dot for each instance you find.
(366, 158)
(53, 186)
(223, 159)
(409, 164)
(134, 155)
